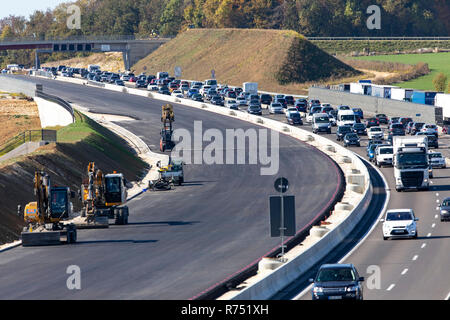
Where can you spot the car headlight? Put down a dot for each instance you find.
(318, 290)
(351, 289)
(444, 211)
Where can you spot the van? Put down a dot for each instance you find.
(212, 83)
(321, 123)
(162, 75)
(346, 117)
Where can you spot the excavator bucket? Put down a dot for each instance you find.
(44, 238)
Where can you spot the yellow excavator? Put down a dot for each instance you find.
(167, 117)
(44, 217)
(103, 197)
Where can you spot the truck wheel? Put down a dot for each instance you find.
(118, 216)
(125, 215)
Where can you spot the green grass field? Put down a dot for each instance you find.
(438, 62)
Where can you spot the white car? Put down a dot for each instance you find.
(290, 110)
(332, 119)
(241, 101)
(399, 223)
(232, 104)
(375, 133)
(152, 87)
(429, 129)
(275, 107)
(177, 93)
(384, 155)
(437, 160)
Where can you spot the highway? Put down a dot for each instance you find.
(178, 243)
(409, 269)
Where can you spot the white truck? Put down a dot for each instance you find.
(250, 87)
(411, 165)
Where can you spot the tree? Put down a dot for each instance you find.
(440, 82)
(172, 18)
(6, 33)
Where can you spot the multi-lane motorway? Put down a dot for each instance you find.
(178, 243)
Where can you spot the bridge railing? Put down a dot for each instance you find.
(80, 38)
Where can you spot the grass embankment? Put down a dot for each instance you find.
(66, 162)
(379, 46)
(437, 62)
(279, 60)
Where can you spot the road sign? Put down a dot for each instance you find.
(213, 74)
(288, 216)
(281, 185)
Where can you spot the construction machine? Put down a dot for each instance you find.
(174, 170)
(167, 118)
(103, 197)
(45, 217)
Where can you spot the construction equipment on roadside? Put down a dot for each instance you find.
(44, 217)
(174, 170)
(103, 197)
(167, 117)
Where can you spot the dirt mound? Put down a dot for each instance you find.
(273, 58)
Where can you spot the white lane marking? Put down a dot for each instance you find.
(415, 257)
(437, 194)
(433, 225)
(428, 235)
(436, 216)
(423, 245)
(437, 201)
(437, 208)
(391, 287)
(404, 271)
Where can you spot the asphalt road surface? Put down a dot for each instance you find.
(177, 243)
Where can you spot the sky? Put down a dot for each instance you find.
(26, 7)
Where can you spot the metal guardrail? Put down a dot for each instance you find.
(380, 38)
(27, 136)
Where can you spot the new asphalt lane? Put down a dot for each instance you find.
(178, 243)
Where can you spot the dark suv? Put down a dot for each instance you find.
(336, 282)
(342, 131)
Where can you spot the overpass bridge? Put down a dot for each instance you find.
(132, 48)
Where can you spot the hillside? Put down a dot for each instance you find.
(277, 60)
(111, 61)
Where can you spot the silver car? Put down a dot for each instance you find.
(445, 209)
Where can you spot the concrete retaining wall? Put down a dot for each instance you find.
(52, 114)
(391, 108)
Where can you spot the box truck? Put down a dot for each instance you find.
(250, 87)
(424, 97)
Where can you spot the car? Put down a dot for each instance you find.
(177, 93)
(266, 99)
(164, 90)
(230, 94)
(276, 107)
(119, 83)
(217, 100)
(416, 126)
(358, 112)
(409, 127)
(241, 101)
(382, 118)
(289, 100)
(152, 87)
(140, 84)
(337, 281)
(397, 129)
(393, 120)
(436, 160)
(312, 111)
(399, 223)
(405, 120)
(360, 129)
(384, 155)
(342, 107)
(254, 109)
(444, 209)
(282, 101)
(431, 138)
(232, 104)
(184, 87)
(371, 151)
(191, 92)
(332, 120)
(429, 128)
(326, 108)
(351, 139)
(321, 123)
(372, 122)
(301, 105)
(313, 102)
(375, 133)
(342, 131)
(294, 118)
(290, 110)
(197, 97)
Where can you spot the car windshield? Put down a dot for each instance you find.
(59, 201)
(397, 216)
(386, 151)
(294, 115)
(344, 108)
(358, 126)
(348, 117)
(446, 203)
(345, 129)
(351, 136)
(375, 129)
(435, 155)
(322, 119)
(397, 126)
(373, 146)
(336, 274)
(276, 105)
